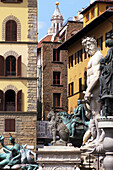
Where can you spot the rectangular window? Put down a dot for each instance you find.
(87, 17)
(75, 58)
(85, 54)
(12, 1)
(71, 61)
(80, 84)
(56, 99)
(78, 57)
(9, 125)
(92, 13)
(81, 51)
(70, 89)
(100, 43)
(56, 78)
(56, 55)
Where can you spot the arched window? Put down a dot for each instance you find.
(11, 30)
(10, 66)
(57, 27)
(10, 100)
(54, 28)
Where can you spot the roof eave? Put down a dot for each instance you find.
(86, 29)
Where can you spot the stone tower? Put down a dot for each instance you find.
(18, 69)
(57, 21)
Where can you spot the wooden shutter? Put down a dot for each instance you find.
(1, 100)
(2, 66)
(8, 33)
(9, 125)
(14, 31)
(19, 100)
(19, 66)
(11, 31)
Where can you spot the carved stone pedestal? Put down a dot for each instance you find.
(59, 157)
(107, 125)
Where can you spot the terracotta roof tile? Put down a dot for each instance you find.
(47, 38)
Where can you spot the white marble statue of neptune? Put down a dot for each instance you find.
(91, 97)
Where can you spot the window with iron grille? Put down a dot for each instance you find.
(9, 125)
(56, 78)
(11, 31)
(56, 99)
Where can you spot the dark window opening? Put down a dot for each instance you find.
(56, 99)
(10, 100)
(85, 80)
(11, 31)
(92, 13)
(80, 84)
(75, 58)
(9, 125)
(100, 43)
(85, 54)
(57, 27)
(78, 57)
(71, 61)
(12, 1)
(87, 17)
(70, 89)
(56, 78)
(81, 51)
(10, 66)
(56, 55)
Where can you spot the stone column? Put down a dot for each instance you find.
(107, 125)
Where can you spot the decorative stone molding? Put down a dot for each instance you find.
(13, 53)
(10, 87)
(11, 17)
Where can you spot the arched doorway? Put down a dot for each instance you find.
(10, 100)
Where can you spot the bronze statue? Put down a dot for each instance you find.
(10, 158)
(17, 155)
(106, 81)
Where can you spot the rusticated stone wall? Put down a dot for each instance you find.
(32, 20)
(25, 127)
(32, 55)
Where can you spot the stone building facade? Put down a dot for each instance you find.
(18, 70)
(54, 79)
(52, 68)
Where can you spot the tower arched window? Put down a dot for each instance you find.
(54, 27)
(10, 66)
(11, 30)
(57, 27)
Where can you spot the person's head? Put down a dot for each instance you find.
(90, 45)
(12, 139)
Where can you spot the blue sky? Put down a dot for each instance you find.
(46, 8)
